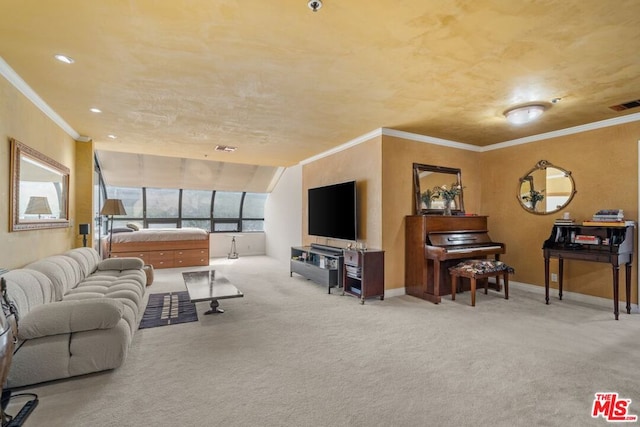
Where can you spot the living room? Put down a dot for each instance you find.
(601, 155)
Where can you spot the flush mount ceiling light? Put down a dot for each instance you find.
(524, 114)
(64, 58)
(314, 5)
(95, 110)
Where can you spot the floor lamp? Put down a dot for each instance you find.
(112, 207)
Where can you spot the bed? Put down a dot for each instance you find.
(162, 247)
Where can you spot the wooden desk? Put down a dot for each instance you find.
(616, 248)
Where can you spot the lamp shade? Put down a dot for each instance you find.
(38, 205)
(113, 207)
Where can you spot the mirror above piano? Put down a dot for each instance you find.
(426, 180)
(546, 189)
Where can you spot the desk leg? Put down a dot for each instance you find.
(214, 307)
(546, 280)
(628, 285)
(616, 289)
(560, 276)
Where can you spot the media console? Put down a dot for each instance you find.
(319, 263)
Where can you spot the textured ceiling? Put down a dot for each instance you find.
(281, 83)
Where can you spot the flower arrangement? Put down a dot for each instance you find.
(533, 197)
(447, 193)
(427, 197)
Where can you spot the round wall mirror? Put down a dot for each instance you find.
(546, 189)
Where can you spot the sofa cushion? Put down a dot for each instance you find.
(63, 271)
(131, 304)
(28, 289)
(121, 264)
(63, 317)
(88, 258)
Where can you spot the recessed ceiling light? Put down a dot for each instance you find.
(112, 136)
(524, 114)
(64, 58)
(95, 110)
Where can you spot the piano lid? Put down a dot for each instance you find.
(456, 238)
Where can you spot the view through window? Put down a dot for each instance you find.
(214, 211)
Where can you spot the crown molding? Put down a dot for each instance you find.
(429, 139)
(8, 73)
(352, 143)
(564, 132)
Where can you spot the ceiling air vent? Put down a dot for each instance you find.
(626, 105)
(226, 148)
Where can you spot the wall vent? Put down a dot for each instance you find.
(226, 148)
(626, 105)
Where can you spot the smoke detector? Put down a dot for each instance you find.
(314, 5)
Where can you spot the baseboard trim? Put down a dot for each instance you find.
(574, 296)
(553, 293)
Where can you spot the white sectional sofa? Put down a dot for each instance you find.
(77, 314)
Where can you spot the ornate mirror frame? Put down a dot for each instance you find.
(545, 183)
(425, 178)
(40, 185)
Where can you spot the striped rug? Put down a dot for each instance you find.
(168, 309)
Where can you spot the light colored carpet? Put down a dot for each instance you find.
(289, 354)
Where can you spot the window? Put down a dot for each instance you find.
(162, 203)
(253, 212)
(196, 204)
(226, 205)
(131, 199)
(169, 208)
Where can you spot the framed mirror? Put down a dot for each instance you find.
(427, 179)
(39, 190)
(546, 189)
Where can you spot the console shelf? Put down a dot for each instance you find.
(318, 263)
(363, 274)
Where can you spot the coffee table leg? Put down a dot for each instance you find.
(214, 307)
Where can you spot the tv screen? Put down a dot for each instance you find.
(332, 211)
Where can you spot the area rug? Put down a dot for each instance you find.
(168, 308)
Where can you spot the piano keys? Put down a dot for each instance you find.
(433, 243)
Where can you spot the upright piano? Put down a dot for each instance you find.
(433, 243)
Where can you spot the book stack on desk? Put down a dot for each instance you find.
(565, 221)
(608, 218)
(584, 239)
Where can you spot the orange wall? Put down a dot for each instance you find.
(398, 156)
(84, 186)
(603, 162)
(604, 165)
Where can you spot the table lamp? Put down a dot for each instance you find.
(38, 205)
(110, 208)
(84, 230)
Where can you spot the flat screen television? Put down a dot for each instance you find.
(333, 211)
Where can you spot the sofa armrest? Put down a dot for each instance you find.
(121, 264)
(64, 317)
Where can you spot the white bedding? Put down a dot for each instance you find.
(161, 235)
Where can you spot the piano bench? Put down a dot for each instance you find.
(475, 269)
